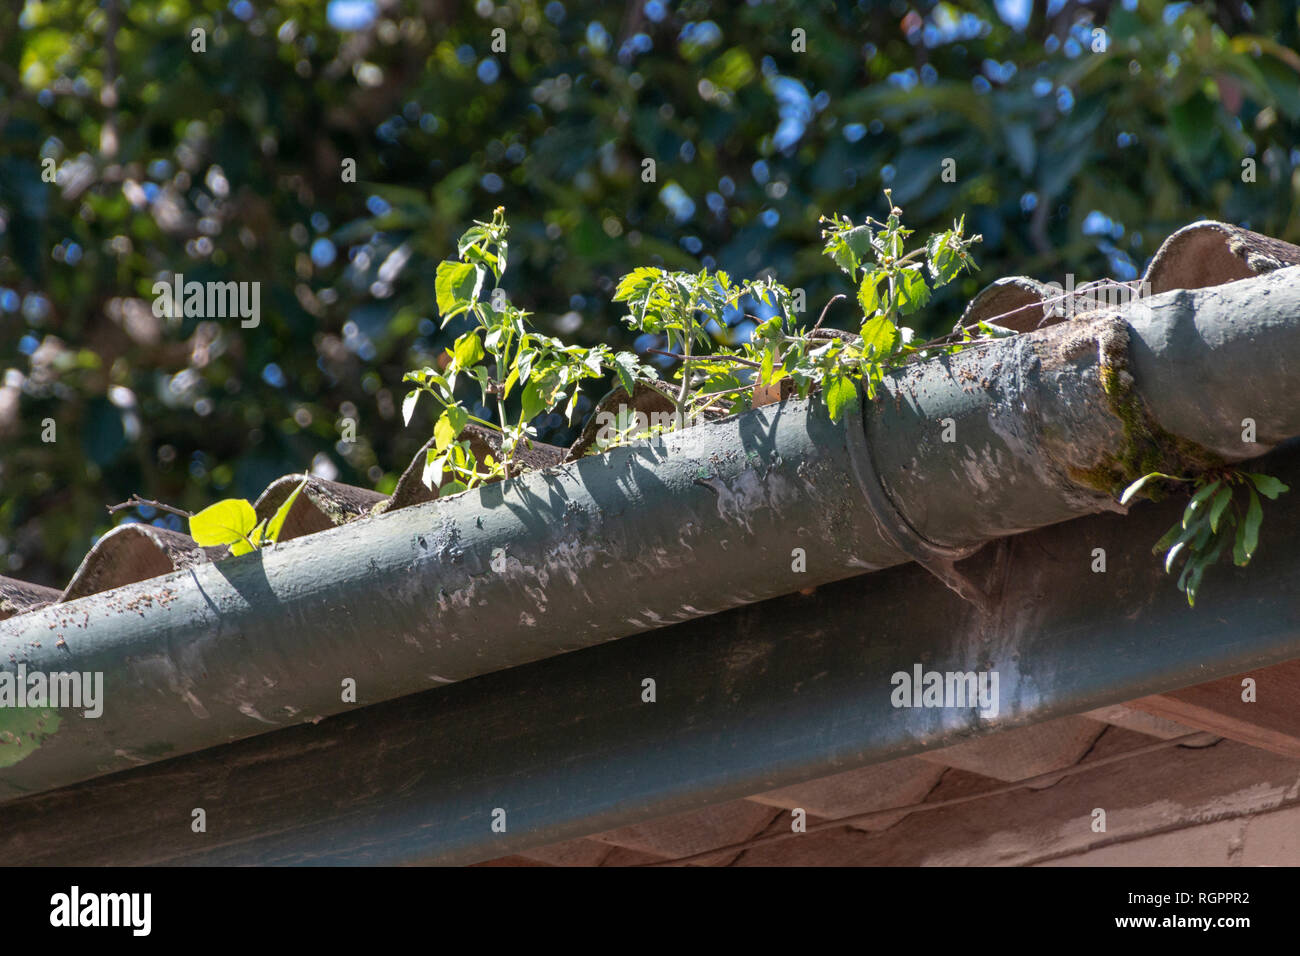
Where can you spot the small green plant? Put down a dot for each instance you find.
(1221, 500)
(234, 522)
(518, 369)
(503, 355)
(890, 282)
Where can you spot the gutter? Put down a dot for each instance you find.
(1045, 426)
(761, 697)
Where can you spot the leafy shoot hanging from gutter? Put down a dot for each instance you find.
(1216, 506)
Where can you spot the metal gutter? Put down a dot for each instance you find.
(706, 520)
(753, 699)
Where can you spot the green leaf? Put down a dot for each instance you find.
(913, 292)
(1168, 538)
(1268, 486)
(849, 248)
(1248, 532)
(1221, 501)
(408, 405)
(869, 293)
(1198, 500)
(457, 286)
(1239, 555)
(533, 398)
(450, 424)
(1188, 535)
(841, 393)
(452, 488)
(1134, 488)
(944, 261)
(434, 465)
(880, 334)
(249, 544)
(468, 350)
(996, 331)
(625, 367)
(636, 282)
(282, 512)
(225, 522)
(1193, 587)
(1188, 568)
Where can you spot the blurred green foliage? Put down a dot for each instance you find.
(1082, 134)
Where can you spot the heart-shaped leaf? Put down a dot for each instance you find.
(225, 522)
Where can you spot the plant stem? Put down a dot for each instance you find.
(826, 309)
(447, 404)
(135, 501)
(735, 359)
(686, 357)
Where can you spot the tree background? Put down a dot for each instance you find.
(1077, 151)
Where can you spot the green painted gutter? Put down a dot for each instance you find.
(1044, 426)
(764, 696)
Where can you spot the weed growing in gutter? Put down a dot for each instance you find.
(1221, 500)
(232, 521)
(685, 308)
(502, 353)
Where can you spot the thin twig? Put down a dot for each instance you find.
(826, 309)
(135, 501)
(706, 358)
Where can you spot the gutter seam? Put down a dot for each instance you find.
(936, 558)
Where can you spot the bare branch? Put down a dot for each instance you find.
(734, 359)
(135, 501)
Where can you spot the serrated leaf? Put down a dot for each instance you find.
(625, 367)
(879, 334)
(848, 249)
(869, 293)
(944, 262)
(636, 282)
(841, 394)
(225, 522)
(913, 293)
(765, 367)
